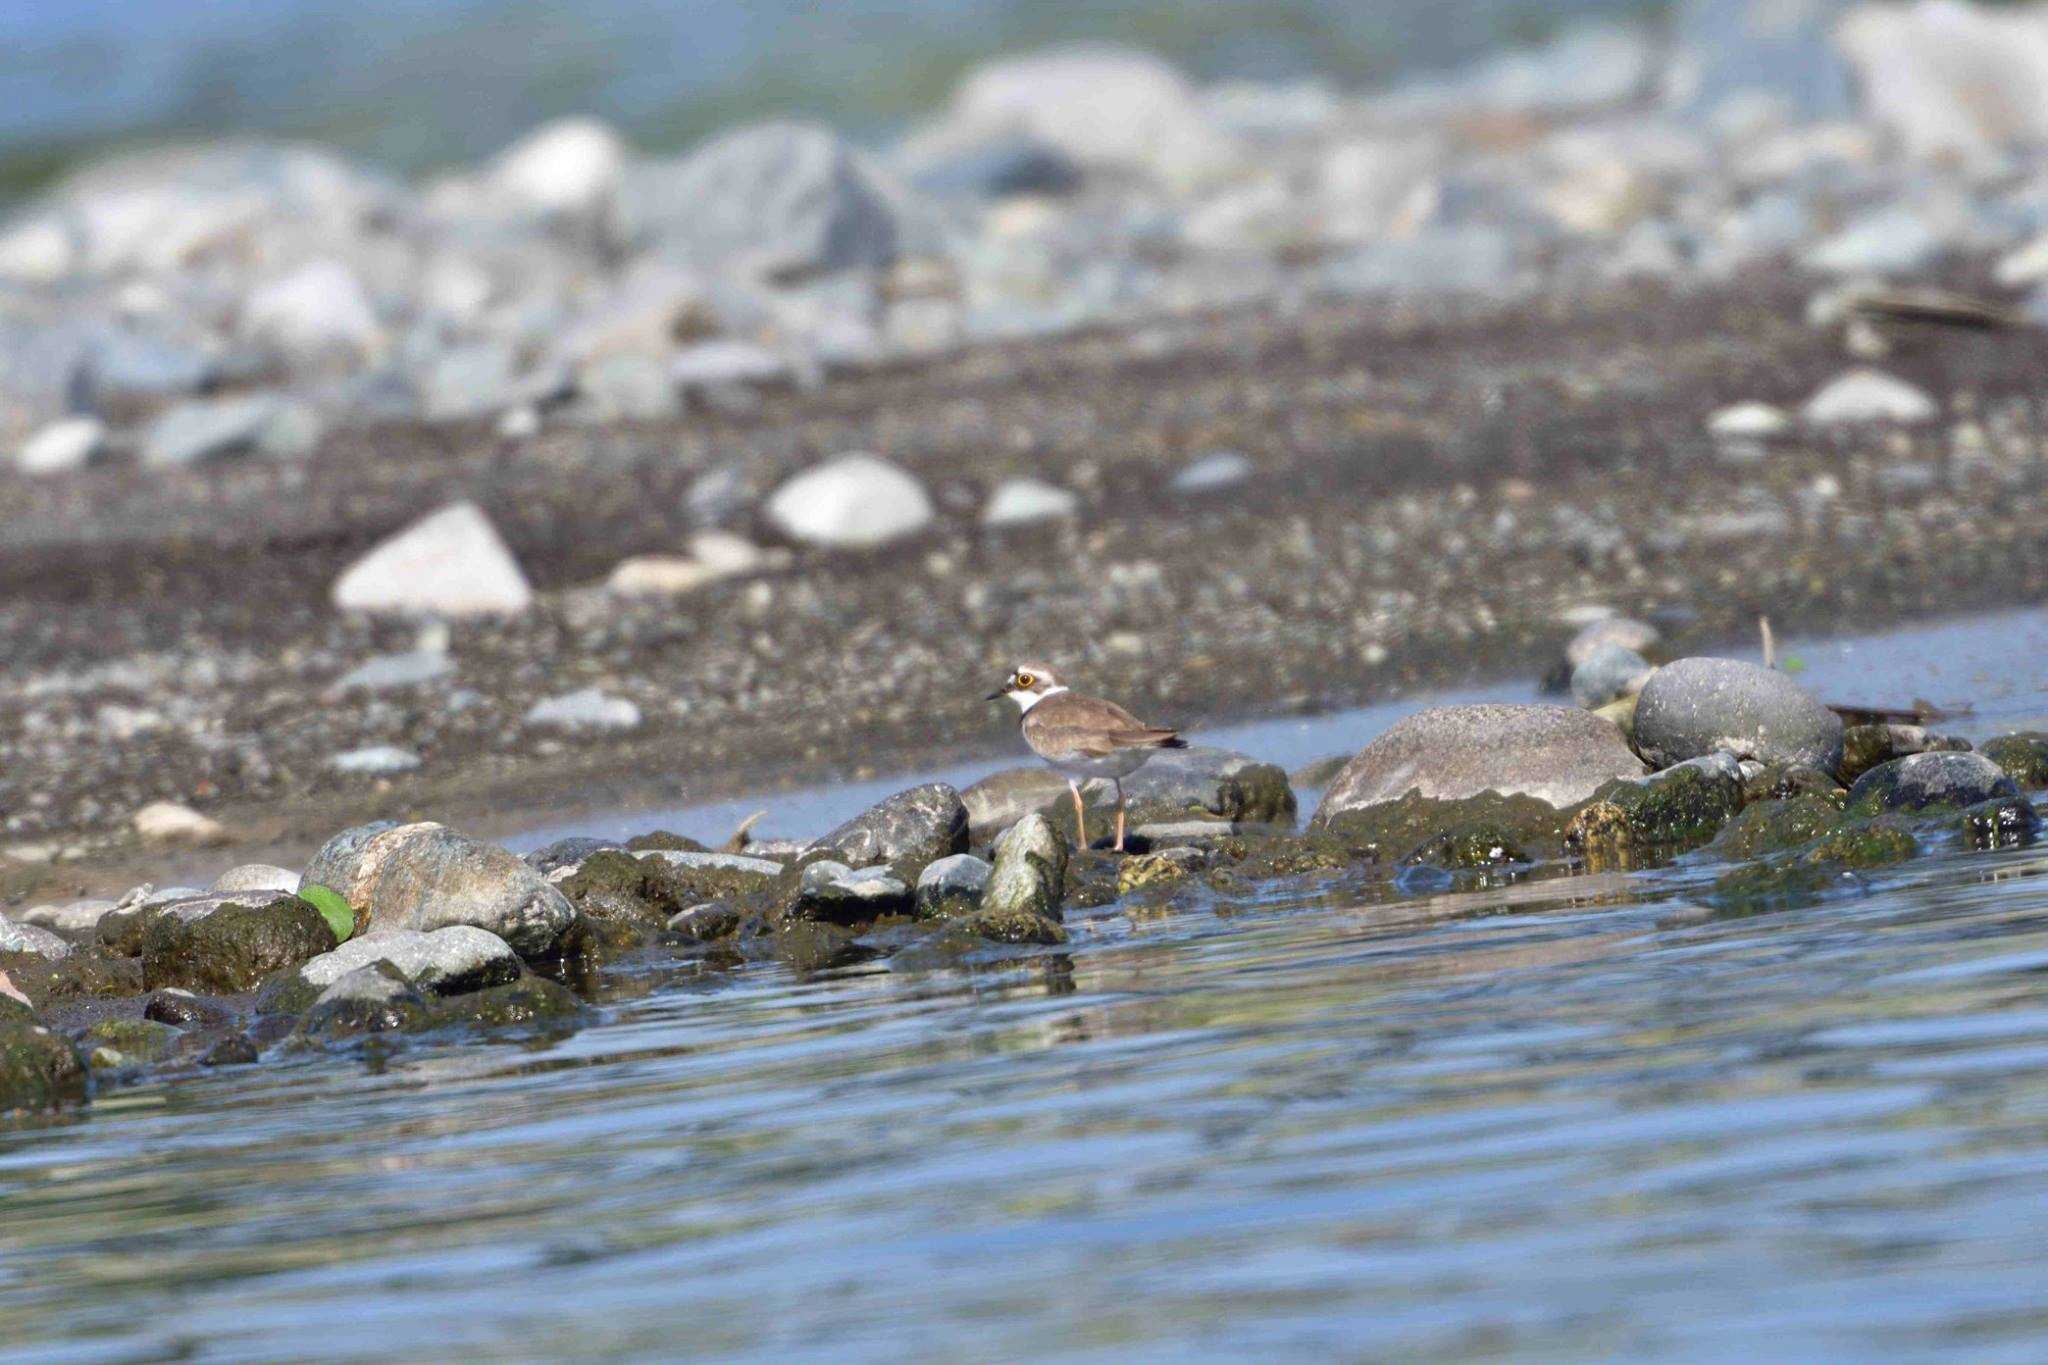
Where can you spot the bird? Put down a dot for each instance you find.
(1081, 737)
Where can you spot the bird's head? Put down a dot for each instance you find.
(1027, 685)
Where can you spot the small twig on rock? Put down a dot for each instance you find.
(738, 842)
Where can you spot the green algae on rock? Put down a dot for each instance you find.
(233, 948)
(2003, 822)
(1384, 831)
(1476, 845)
(1665, 813)
(84, 974)
(2023, 756)
(1929, 782)
(39, 1070)
(1775, 826)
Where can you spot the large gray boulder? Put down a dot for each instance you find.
(918, 826)
(778, 200)
(426, 877)
(1557, 754)
(1699, 706)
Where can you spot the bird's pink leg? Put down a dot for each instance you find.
(1080, 816)
(1119, 815)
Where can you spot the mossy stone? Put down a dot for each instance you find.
(1761, 887)
(1783, 782)
(2003, 822)
(1877, 842)
(814, 946)
(1660, 815)
(665, 839)
(85, 973)
(1774, 826)
(39, 1070)
(531, 1002)
(1382, 832)
(1153, 869)
(235, 947)
(1470, 846)
(2023, 756)
(139, 1040)
(1015, 926)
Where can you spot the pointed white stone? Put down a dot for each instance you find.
(452, 563)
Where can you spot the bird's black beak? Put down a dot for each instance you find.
(994, 696)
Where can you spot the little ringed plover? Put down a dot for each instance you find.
(1082, 737)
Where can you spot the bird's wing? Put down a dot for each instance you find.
(1091, 727)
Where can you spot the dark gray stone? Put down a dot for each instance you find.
(915, 827)
(1608, 674)
(1698, 706)
(1930, 781)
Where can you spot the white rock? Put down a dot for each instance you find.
(257, 877)
(714, 555)
(2026, 266)
(1217, 469)
(588, 709)
(384, 672)
(452, 563)
(711, 363)
(166, 822)
(1894, 240)
(1017, 502)
(1951, 78)
(37, 251)
(519, 424)
(1749, 421)
(62, 446)
(460, 956)
(1868, 396)
(1101, 105)
(573, 165)
(853, 502)
(73, 920)
(375, 760)
(320, 307)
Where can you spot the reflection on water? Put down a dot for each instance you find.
(1569, 1116)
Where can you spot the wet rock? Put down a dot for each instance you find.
(1029, 876)
(1020, 502)
(138, 1041)
(166, 822)
(854, 502)
(1154, 836)
(707, 923)
(226, 428)
(1001, 799)
(1470, 846)
(830, 892)
(234, 947)
(1667, 812)
(1784, 782)
(450, 564)
(375, 998)
(1877, 842)
(2024, 757)
(1701, 706)
(1866, 746)
(88, 972)
(375, 760)
(1208, 784)
(1554, 754)
(951, 886)
(237, 1049)
(567, 853)
(39, 1071)
(777, 200)
(1607, 675)
(426, 877)
(911, 828)
(1777, 825)
(28, 938)
(257, 877)
(62, 446)
(181, 1008)
(2004, 822)
(450, 961)
(816, 946)
(1935, 781)
(1014, 926)
(530, 1004)
(1867, 396)
(1158, 869)
(1766, 887)
(588, 709)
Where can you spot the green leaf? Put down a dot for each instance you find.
(1794, 664)
(332, 908)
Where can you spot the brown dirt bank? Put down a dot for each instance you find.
(1433, 487)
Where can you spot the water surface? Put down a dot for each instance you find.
(1560, 1117)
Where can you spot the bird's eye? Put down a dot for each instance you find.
(1025, 680)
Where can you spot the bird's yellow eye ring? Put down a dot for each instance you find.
(1024, 680)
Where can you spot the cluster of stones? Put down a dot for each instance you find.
(401, 929)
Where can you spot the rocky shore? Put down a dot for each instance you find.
(393, 931)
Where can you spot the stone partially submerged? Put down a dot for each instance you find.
(1556, 755)
(426, 877)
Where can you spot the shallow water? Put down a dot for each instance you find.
(1555, 1118)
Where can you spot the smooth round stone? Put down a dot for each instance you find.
(1935, 780)
(1609, 674)
(1700, 706)
(853, 502)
